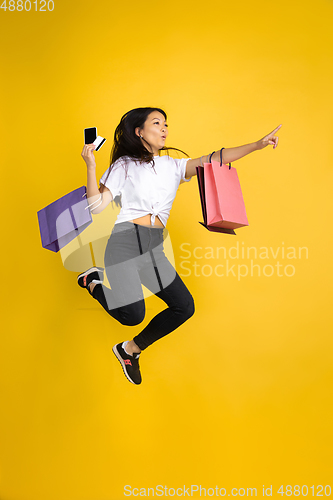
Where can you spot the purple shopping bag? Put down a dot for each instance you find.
(64, 219)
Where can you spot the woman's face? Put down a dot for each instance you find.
(154, 131)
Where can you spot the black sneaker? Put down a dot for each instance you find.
(129, 363)
(94, 274)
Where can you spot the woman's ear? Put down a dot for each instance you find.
(137, 131)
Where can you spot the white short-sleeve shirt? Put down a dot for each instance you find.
(144, 189)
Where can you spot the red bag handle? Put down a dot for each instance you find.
(220, 158)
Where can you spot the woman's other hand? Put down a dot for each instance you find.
(88, 156)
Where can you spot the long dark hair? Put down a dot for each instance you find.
(127, 143)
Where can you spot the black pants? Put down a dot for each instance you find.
(134, 255)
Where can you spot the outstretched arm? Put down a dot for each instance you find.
(232, 154)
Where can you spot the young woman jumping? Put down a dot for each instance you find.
(146, 183)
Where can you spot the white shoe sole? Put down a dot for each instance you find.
(91, 270)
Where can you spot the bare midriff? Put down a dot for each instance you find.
(146, 221)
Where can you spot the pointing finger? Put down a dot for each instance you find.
(276, 129)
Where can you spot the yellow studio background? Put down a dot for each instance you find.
(240, 396)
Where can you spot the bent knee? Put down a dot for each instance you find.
(191, 308)
(132, 317)
(188, 308)
(132, 321)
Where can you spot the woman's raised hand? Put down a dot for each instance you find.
(269, 139)
(88, 156)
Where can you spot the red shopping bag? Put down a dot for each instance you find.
(221, 197)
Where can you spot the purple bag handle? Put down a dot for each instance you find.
(220, 158)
